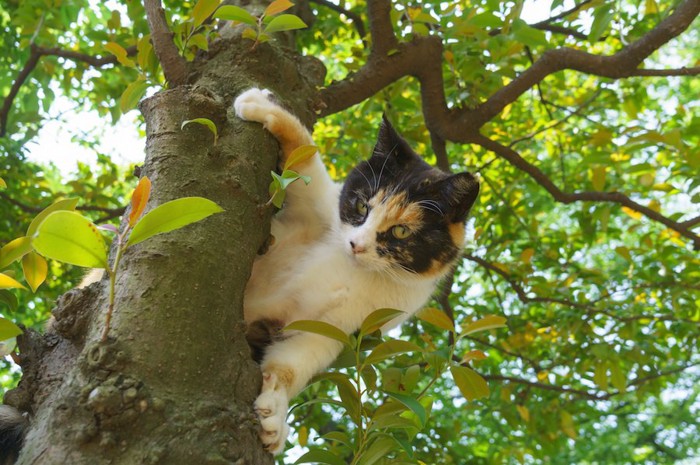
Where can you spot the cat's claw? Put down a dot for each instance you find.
(271, 407)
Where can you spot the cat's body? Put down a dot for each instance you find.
(382, 240)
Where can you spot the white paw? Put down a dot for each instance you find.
(254, 105)
(271, 407)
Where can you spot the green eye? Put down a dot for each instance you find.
(400, 232)
(361, 208)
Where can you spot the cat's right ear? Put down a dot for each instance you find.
(460, 191)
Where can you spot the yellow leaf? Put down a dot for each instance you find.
(633, 213)
(35, 269)
(202, 10)
(8, 283)
(473, 355)
(602, 137)
(624, 252)
(650, 7)
(300, 155)
(139, 199)
(436, 317)
(303, 435)
(486, 323)
(450, 57)
(119, 52)
(278, 6)
(598, 177)
(567, 424)
(3, 185)
(526, 255)
(523, 412)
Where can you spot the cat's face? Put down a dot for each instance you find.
(401, 216)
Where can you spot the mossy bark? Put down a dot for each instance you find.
(174, 383)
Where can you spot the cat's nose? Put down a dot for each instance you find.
(356, 248)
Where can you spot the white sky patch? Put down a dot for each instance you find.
(58, 140)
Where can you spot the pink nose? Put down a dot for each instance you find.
(356, 248)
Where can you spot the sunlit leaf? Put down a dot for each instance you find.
(35, 270)
(379, 318)
(300, 155)
(390, 348)
(3, 184)
(320, 456)
(133, 94)
(69, 237)
(319, 327)
(436, 317)
(484, 324)
(284, 23)
(139, 199)
(278, 6)
(204, 122)
(377, 450)
(65, 204)
(7, 282)
(469, 382)
(121, 54)
(8, 329)
(170, 216)
(202, 10)
(235, 13)
(14, 250)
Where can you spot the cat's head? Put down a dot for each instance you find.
(400, 215)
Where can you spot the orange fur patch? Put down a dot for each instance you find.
(394, 210)
(285, 375)
(457, 233)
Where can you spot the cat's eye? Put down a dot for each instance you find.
(400, 232)
(361, 208)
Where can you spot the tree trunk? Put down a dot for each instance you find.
(174, 383)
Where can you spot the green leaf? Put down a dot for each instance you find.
(598, 175)
(205, 122)
(71, 238)
(379, 318)
(14, 250)
(347, 392)
(133, 94)
(469, 382)
(436, 317)
(65, 204)
(321, 456)
(235, 13)
(319, 327)
(35, 269)
(390, 348)
(172, 215)
(412, 404)
(601, 20)
(8, 329)
(284, 23)
(617, 377)
(377, 450)
(202, 10)
(7, 282)
(9, 299)
(486, 323)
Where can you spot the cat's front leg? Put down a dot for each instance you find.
(287, 366)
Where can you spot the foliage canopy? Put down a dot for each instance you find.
(584, 126)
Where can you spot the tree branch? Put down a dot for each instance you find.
(36, 53)
(512, 157)
(174, 66)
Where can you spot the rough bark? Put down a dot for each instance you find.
(175, 382)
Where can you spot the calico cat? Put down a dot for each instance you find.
(382, 239)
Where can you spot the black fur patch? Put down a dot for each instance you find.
(13, 426)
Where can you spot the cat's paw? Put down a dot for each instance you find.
(271, 407)
(255, 105)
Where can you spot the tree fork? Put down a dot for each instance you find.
(177, 318)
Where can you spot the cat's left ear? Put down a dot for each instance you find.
(460, 191)
(390, 143)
